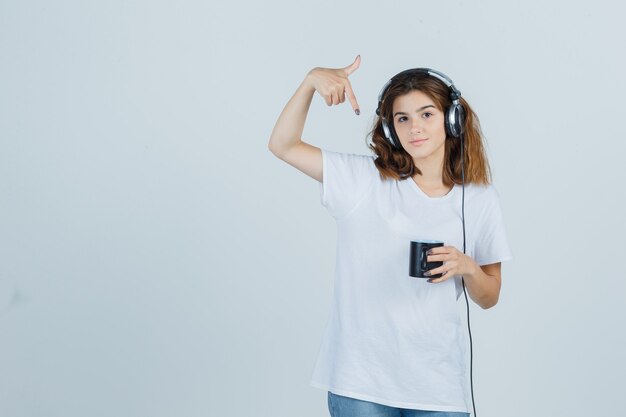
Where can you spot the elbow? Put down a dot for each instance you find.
(275, 149)
(272, 149)
(490, 298)
(489, 303)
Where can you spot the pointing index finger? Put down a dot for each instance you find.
(352, 98)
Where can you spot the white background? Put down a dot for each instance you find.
(157, 260)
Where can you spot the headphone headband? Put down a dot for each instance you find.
(455, 94)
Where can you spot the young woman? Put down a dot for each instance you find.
(395, 344)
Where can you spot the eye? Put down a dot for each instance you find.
(427, 115)
(400, 118)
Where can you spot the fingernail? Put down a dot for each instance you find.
(430, 252)
(357, 111)
(426, 274)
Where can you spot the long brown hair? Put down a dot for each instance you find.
(398, 164)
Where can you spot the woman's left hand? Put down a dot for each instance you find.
(455, 263)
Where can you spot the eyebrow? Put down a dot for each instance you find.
(418, 110)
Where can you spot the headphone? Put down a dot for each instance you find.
(455, 115)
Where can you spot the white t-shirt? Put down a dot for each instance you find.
(391, 338)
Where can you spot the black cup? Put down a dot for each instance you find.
(418, 263)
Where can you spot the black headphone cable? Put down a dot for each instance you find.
(463, 280)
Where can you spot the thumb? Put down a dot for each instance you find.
(352, 67)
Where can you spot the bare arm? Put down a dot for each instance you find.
(484, 285)
(482, 282)
(286, 139)
(290, 123)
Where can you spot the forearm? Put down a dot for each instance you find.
(290, 125)
(482, 288)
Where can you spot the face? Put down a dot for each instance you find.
(419, 125)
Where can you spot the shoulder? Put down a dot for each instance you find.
(484, 192)
(346, 180)
(347, 157)
(482, 199)
(345, 162)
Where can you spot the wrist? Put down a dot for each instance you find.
(307, 83)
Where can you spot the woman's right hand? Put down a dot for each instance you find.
(333, 84)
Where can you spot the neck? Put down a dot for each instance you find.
(432, 172)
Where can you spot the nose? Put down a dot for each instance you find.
(416, 127)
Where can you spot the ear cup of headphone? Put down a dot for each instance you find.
(454, 120)
(394, 137)
(460, 118)
(390, 134)
(386, 131)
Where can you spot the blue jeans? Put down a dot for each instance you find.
(340, 406)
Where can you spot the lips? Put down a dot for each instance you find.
(417, 141)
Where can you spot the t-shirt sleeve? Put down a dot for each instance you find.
(346, 178)
(492, 245)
